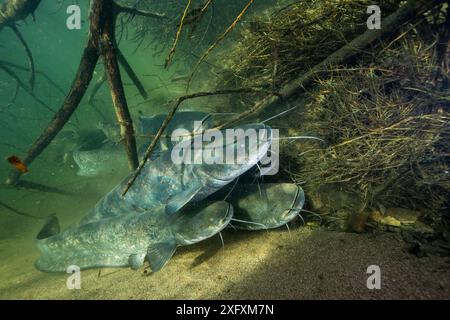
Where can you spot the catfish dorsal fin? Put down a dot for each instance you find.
(158, 254)
(50, 228)
(179, 200)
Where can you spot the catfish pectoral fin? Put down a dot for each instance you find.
(178, 201)
(159, 254)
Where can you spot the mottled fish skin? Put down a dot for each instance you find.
(111, 242)
(161, 181)
(98, 161)
(267, 205)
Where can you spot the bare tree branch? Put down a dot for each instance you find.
(13, 75)
(107, 43)
(177, 36)
(136, 12)
(28, 52)
(43, 74)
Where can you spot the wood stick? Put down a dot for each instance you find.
(109, 56)
(177, 36)
(101, 42)
(71, 102)
(141, 13)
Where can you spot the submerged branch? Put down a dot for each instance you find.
(20, 213)
(109, 55)
(219, 39)
(19, 82)
(71, 102)
(91, 99)
(24, 184)
(140, 13)
(29, 54)
(16, 66)
(177, 36)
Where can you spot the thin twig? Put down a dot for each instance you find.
(53, 83)
(219, 39)
(107, 42)
(13, 75)
(28, 52)
(177, 36)
(345, 53)
(140, 13)
(17, 211)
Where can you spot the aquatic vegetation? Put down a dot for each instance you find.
(391, 150)
(384, 117)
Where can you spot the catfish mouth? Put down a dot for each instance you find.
(295, 208)
(191, 231)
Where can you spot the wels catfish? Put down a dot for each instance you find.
(130, 239)
(166, 182)
(266, 205)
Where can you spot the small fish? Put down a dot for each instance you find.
(18, 164)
